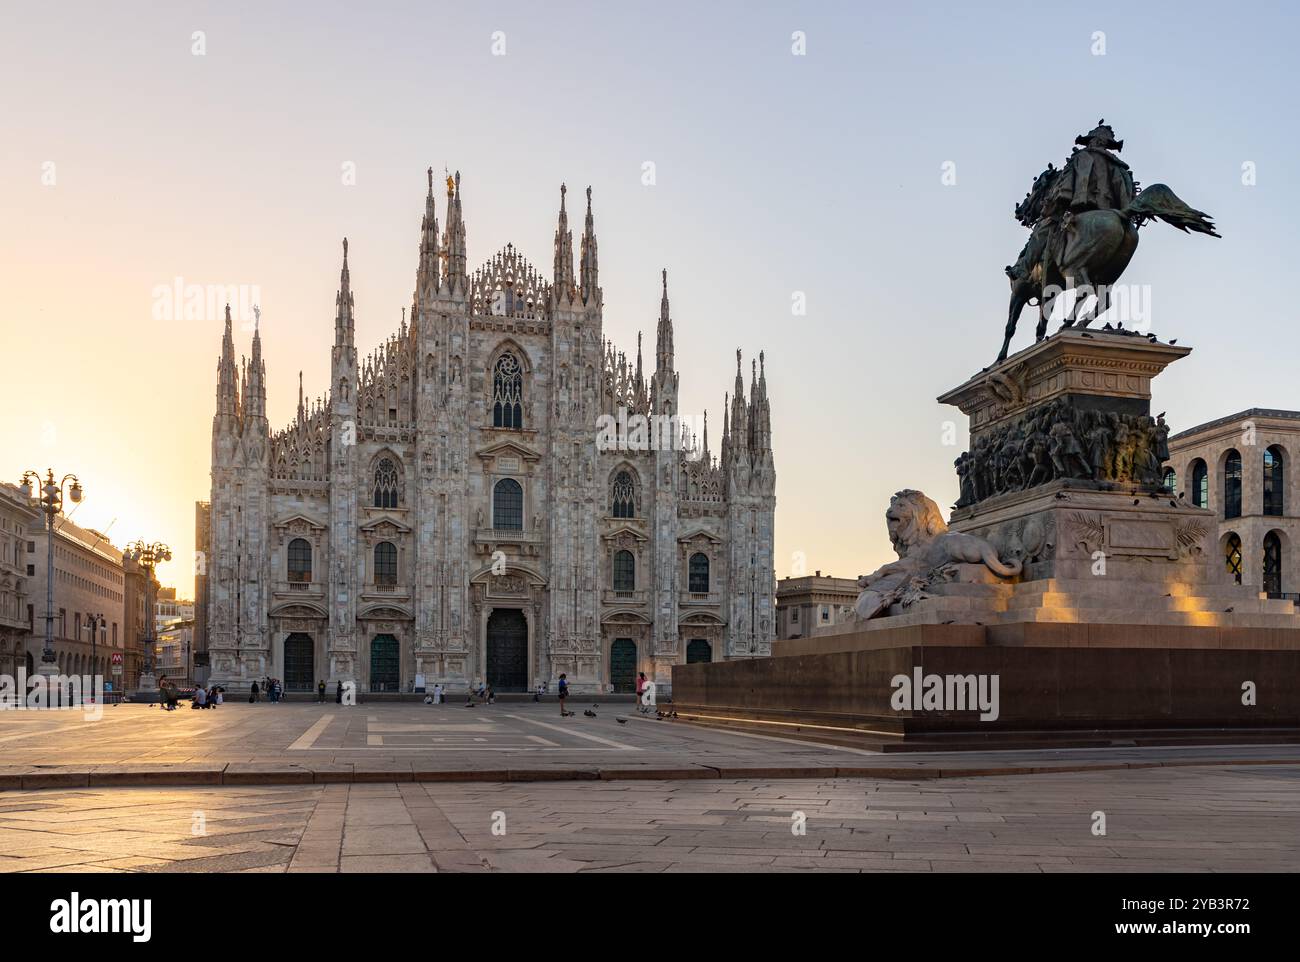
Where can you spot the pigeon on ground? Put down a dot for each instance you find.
(1137, 501)
(589, 713)
(1230, 608)
(621, 721)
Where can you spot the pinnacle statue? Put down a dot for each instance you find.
(1083, 220)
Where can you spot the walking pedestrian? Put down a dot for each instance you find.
(338, 694)
(320, 692)
(252, 693)
(640, 690)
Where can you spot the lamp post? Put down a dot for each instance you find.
(148, 556)
(51, 500)
(94, 624)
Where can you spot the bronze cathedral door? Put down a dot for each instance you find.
(507, 650)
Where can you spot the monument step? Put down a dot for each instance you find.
(1188, 603)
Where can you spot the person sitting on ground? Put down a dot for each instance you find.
(200, 697)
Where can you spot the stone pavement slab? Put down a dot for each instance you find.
(1235, 818)
(518, 742)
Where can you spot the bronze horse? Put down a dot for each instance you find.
(1087, 250)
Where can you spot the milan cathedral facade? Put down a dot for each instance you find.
(449, 512)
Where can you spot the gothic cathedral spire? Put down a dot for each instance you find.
(455, 277)
(427, 279)
(563, 283)
(344, 323)
(590, 274)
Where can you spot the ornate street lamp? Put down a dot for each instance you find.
(148, 556)
(51, 500)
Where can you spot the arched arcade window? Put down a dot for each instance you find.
(1200, 484)
(507, 392)
(508, 505)
(1273, 564)
(1232, 555)
(1273, 481)
(1232, 484)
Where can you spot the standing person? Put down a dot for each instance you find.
(437, 694)
(279, 690)
(640, 690)
(320, 692)
(338, 694)
(564, 693)
(252, 693)
(491, 696)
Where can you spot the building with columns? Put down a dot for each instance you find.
(1241, 468)
(807, 604)
(493, 494)
(89, 584)
(20, 526)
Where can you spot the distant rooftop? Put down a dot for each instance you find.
(1246, 415)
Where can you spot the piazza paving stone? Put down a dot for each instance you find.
(1236, 818)
(310, 744)
(400, 788)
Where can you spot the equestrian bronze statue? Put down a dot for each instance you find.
(1084, 220)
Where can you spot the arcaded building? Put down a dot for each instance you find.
(1241, 467)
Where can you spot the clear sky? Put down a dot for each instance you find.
(126, 161)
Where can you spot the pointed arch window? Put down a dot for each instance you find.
(623, 496)
(386, 564)
(698, 573)
(1273, 481)
(1273, 564)
(1232, 555)
(1232, 484)
(1200, 484)
(299, 560)
(507, 392)
(624, 571)
(387, 484)
(508, 505)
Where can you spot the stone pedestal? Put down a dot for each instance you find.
(1120, 623)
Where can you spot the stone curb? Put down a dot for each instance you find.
(242, 773)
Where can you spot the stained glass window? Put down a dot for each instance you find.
(507, 393)
(386, 484)
(623, 496)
